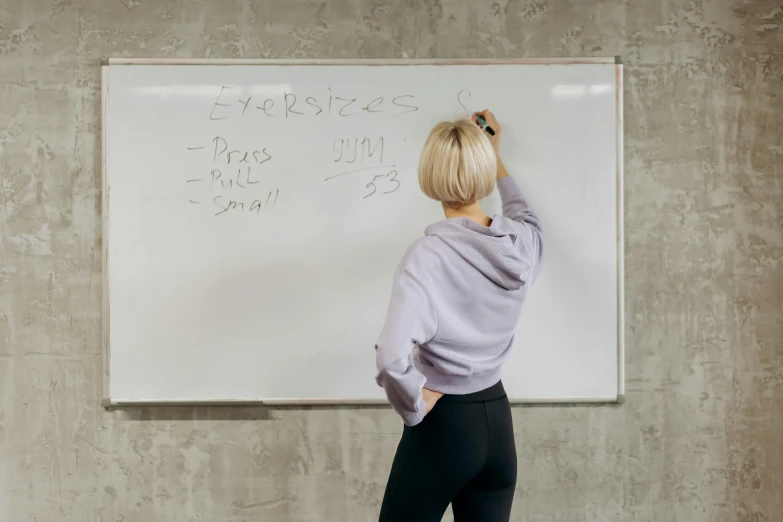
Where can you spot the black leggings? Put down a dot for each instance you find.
(462, 453)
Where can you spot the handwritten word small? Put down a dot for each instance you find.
(226, 205)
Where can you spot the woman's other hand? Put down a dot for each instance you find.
(430, 397)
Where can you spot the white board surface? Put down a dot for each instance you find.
(255, 215)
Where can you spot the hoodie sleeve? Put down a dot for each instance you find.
(410, 320)
(515, 207)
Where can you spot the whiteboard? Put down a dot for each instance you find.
(255, 213)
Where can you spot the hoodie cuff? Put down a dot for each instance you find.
(415, 417)
(412, 419)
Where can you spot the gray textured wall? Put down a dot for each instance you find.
(700, 438)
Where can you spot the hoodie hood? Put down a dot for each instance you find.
(491, 250)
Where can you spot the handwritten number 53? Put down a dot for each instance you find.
(389, 182)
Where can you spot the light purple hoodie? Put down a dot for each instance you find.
(455, 304)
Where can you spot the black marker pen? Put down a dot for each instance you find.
(484, 125)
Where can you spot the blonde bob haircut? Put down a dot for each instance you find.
(458, 166)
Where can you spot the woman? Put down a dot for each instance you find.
(455, 304)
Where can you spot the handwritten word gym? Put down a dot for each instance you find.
(391, 261)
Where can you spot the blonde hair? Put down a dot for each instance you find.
(458, 166)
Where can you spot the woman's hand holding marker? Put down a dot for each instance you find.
(487, 121)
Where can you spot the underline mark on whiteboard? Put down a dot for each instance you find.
(357, 170)
(194, 202)
(192, 180)
(195, 148)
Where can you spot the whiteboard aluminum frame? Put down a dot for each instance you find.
(117, 402)
(361, 61)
